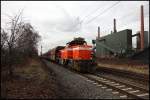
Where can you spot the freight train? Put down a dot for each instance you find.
(76, 55)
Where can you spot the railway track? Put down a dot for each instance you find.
(125, 90)
(128, 82)
(127, 74)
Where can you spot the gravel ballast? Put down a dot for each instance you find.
(76, 86)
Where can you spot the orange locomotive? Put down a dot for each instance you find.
(76, 55)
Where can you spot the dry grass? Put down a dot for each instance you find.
(125, 64)
(33, 70)
(144, 69)
(32, 81)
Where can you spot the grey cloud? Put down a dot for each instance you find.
(70, 26)
(64, 25)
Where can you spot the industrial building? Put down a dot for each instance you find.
(116, 43)
(120, 43)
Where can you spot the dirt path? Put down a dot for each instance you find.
(31, 81)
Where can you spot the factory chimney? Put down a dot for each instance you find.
(142, 29)
(115, 26)
(98, 32)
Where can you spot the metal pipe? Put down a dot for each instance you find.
(142, 28)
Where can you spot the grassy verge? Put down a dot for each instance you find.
(31, 81)
(125, 65)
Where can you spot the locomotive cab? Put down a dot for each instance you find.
(78, 55)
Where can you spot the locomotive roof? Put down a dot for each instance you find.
(79, 41)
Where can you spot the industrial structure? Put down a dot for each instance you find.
(116, 43)
(146, 40)
(120, 43)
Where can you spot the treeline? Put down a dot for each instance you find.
(18, 41)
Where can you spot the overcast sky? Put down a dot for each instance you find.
(60, 21)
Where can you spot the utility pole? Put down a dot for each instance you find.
(41, 50)
(98, 32)
(142, 29)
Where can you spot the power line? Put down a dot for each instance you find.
(91, 13)
(103, 12)
(88, 15)
(96, 11)
(125, 23)
(131, 12)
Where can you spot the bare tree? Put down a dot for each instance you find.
(13, 36)
(28, 41)
(21, 40)
(4, 37)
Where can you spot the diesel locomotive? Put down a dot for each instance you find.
(76, 55)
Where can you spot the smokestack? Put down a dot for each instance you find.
(142, 29)
(98, 32)
(115, 26)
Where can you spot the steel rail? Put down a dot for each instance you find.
(123, 91)
(131, 75)
(134, 86)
